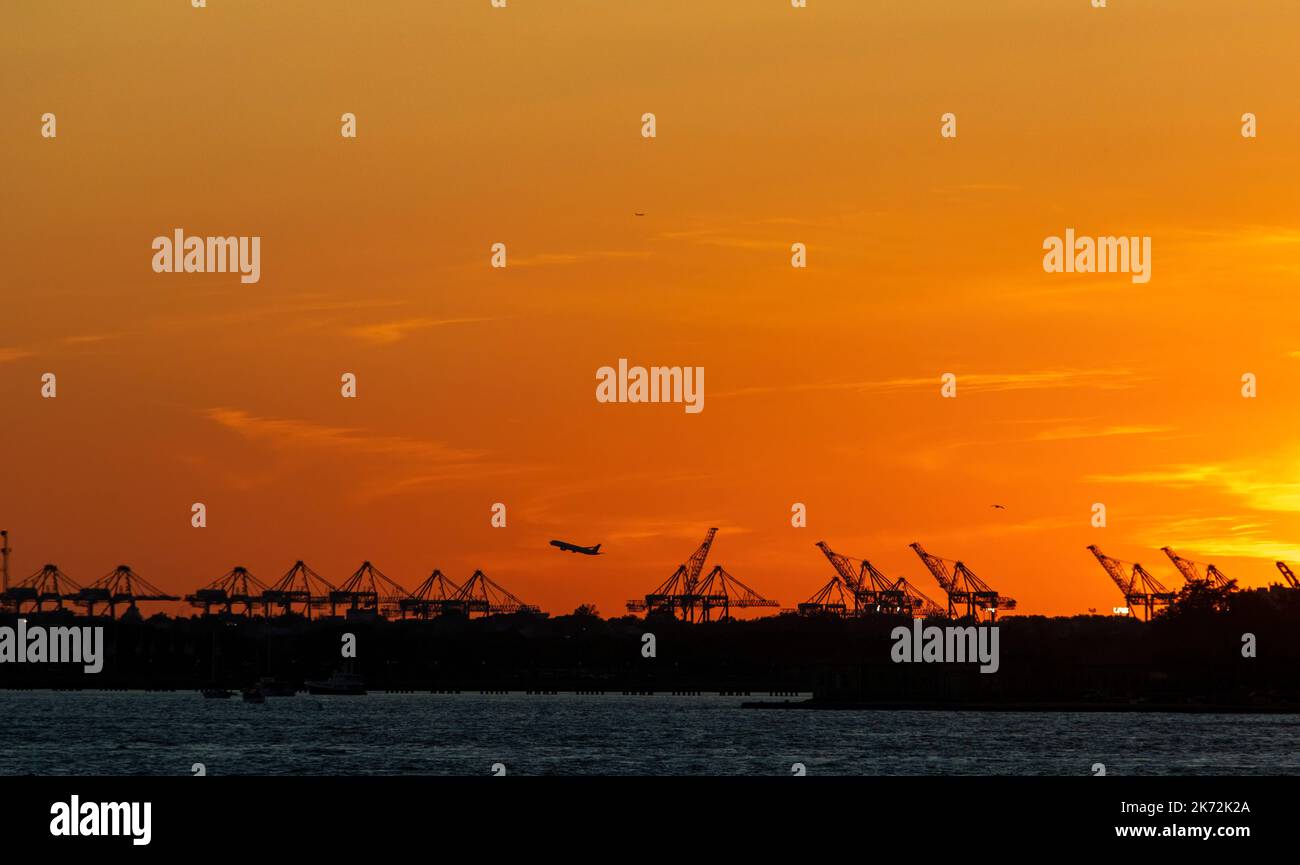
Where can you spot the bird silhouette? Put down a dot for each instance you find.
(999, 507)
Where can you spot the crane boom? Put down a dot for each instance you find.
(695, 564)
(1288, 575)
(936, 566)
(843, 565)
(1186, 567)
(1114, 569)
(1192, 574)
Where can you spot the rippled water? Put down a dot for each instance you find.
(165, 733)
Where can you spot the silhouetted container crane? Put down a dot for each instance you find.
(49, 585)
(483, 596)
(831, 599)
(1288, 575)
(683, 594)
(678, 594)
(720, 590)
(235, 586)
(964, 588)
(872, 592)
(922, 606)
(1141, 590)
(300, 585)
(431, 597)
(1192, 574)
(869, 594)
(120, 586)
(368, 591)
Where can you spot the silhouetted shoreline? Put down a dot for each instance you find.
(1191, 660)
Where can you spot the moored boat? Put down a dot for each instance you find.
(342, 683)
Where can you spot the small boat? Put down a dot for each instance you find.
(340, 683)
(254, 695)
(217, 693)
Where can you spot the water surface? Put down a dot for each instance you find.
(91, 732)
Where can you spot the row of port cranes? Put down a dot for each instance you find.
(1145, 595)
(859, 589)
(367, 591)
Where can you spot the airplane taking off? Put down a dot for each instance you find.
(574, 548)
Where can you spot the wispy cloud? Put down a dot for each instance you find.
(1206, 538)
(8, 355)
(90, 338)
(1032, 525)
(1255, 545)
(1255, 496)
(410, 463)
(281, 432)
(1263, 489)
(979, 187)
(1245, 235)
(552, 259)
(1101, 379)
(305, 312)
(1180, 476)
(762, 232)
(558, 501)
(387, 332)
(725, 238)
(675, 529)
(1064, 433)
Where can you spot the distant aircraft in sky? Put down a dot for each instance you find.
(574, 548)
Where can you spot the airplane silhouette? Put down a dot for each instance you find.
(574, 548)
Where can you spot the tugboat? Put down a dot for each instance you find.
(341, 683)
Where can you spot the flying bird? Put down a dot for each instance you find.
(999, 507)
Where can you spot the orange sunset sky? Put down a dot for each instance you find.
(775, 125)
